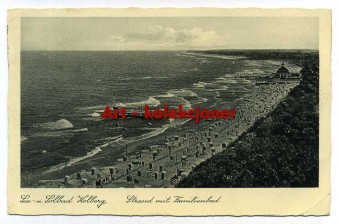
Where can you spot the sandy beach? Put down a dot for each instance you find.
(163, 159)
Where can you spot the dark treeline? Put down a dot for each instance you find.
(264, 54)
(281, 150)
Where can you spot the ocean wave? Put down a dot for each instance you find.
(146, 77)
(244, 81)
(95, 114)
(124, 79)
(96, 110)
(225, 57)
(184, 97)
(114, 139)
(79, 130)
(200, 84)
(151, 134)
(51, 134)
(177, 96)
(203, 99)
(120, 104)
(89, 154)
(158, 131)
(187, 105)
(229, 76)
(23, 138)
(180, 96)
(151, 101)
(222, 80)
(73, 161)
(91, 108)
(198, 57)
(166, 95)
(194, 69)
(57, 125)
(192, 55)
(216, 86)
(183, 93)
(58, 133)
(205, 61)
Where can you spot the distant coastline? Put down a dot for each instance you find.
(263, 54)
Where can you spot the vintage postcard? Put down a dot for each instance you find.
(181, 112)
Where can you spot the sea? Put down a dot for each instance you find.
(64, 92)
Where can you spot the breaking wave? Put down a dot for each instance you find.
(183, 93)
(57, 125)
(225, 57)
(58, 133)
(200, 84)
(151, 101)
(89, 154)
(23, 138)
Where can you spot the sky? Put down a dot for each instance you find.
(168, 33)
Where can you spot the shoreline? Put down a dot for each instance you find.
(222, 94)
(99, 158)
(99, 150)
(187, 170)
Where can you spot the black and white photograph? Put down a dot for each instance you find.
(169, 112)
(96, 96)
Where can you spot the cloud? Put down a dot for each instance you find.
(159, 35)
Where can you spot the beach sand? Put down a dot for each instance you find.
(190, 149)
